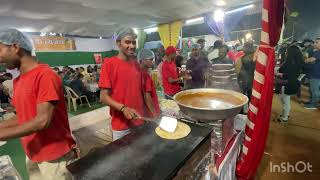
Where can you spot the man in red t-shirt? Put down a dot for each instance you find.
(121, 86)
(146, 59)
(170, 75)
(41, 121)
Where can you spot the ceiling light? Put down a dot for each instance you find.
(151, 30)
(218, 15)
(195, 20)
(248, 36)
(27, 29)
(240, 9)
(43, 34)
(135, 30)
(100, 37)
(221, 3)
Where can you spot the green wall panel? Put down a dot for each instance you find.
(71, 58)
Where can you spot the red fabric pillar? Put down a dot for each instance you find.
(257, 127)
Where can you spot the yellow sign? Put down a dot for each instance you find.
(53, 43)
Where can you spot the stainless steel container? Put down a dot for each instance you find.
(210, 115)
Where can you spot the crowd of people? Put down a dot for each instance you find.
(41, 119)
(219, 67)
(299, 65)
(79, 78)
(6, 88)
(126, 86)
(233, 68)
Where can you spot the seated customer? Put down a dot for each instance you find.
(65, 78)
(78, 86)
(96, 74)
(86, 75)
(6, 88)
(89, 69)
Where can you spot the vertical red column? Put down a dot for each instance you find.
(257, 126)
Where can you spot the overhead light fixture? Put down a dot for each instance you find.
(43, 33)
(240, 9)
(221, 3)
(135, 30)
(248, 36)
(195, 20)
(100, 37)
(218, 15)
(151, 30)
(27, 29)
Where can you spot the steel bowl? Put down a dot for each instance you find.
(210, 114)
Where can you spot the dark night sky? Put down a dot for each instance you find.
(307, 23)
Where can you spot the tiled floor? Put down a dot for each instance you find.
(92, 129)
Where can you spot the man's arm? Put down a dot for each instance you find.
(127, 112)
(42, 121)
(13, 121)
(238, 66)
(310, 60)
(171, 80)
(149, 103)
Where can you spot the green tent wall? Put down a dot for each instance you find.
(71, 58)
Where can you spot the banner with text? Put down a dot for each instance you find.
(53, 43)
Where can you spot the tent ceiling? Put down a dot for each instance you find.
(101, 17)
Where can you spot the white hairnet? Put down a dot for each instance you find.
(123, 32)
(145, 54)
(13, 36)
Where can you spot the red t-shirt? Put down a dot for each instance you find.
(149, 87)
(124, 80)
(234, 56)
(40, 85)
(169, 69)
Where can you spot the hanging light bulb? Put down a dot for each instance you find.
(218, 15)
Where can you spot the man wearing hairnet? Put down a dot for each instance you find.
(146, 59)
(42, 120)
(197, 64)
(121, 86)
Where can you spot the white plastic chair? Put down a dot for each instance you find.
(73, 96)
